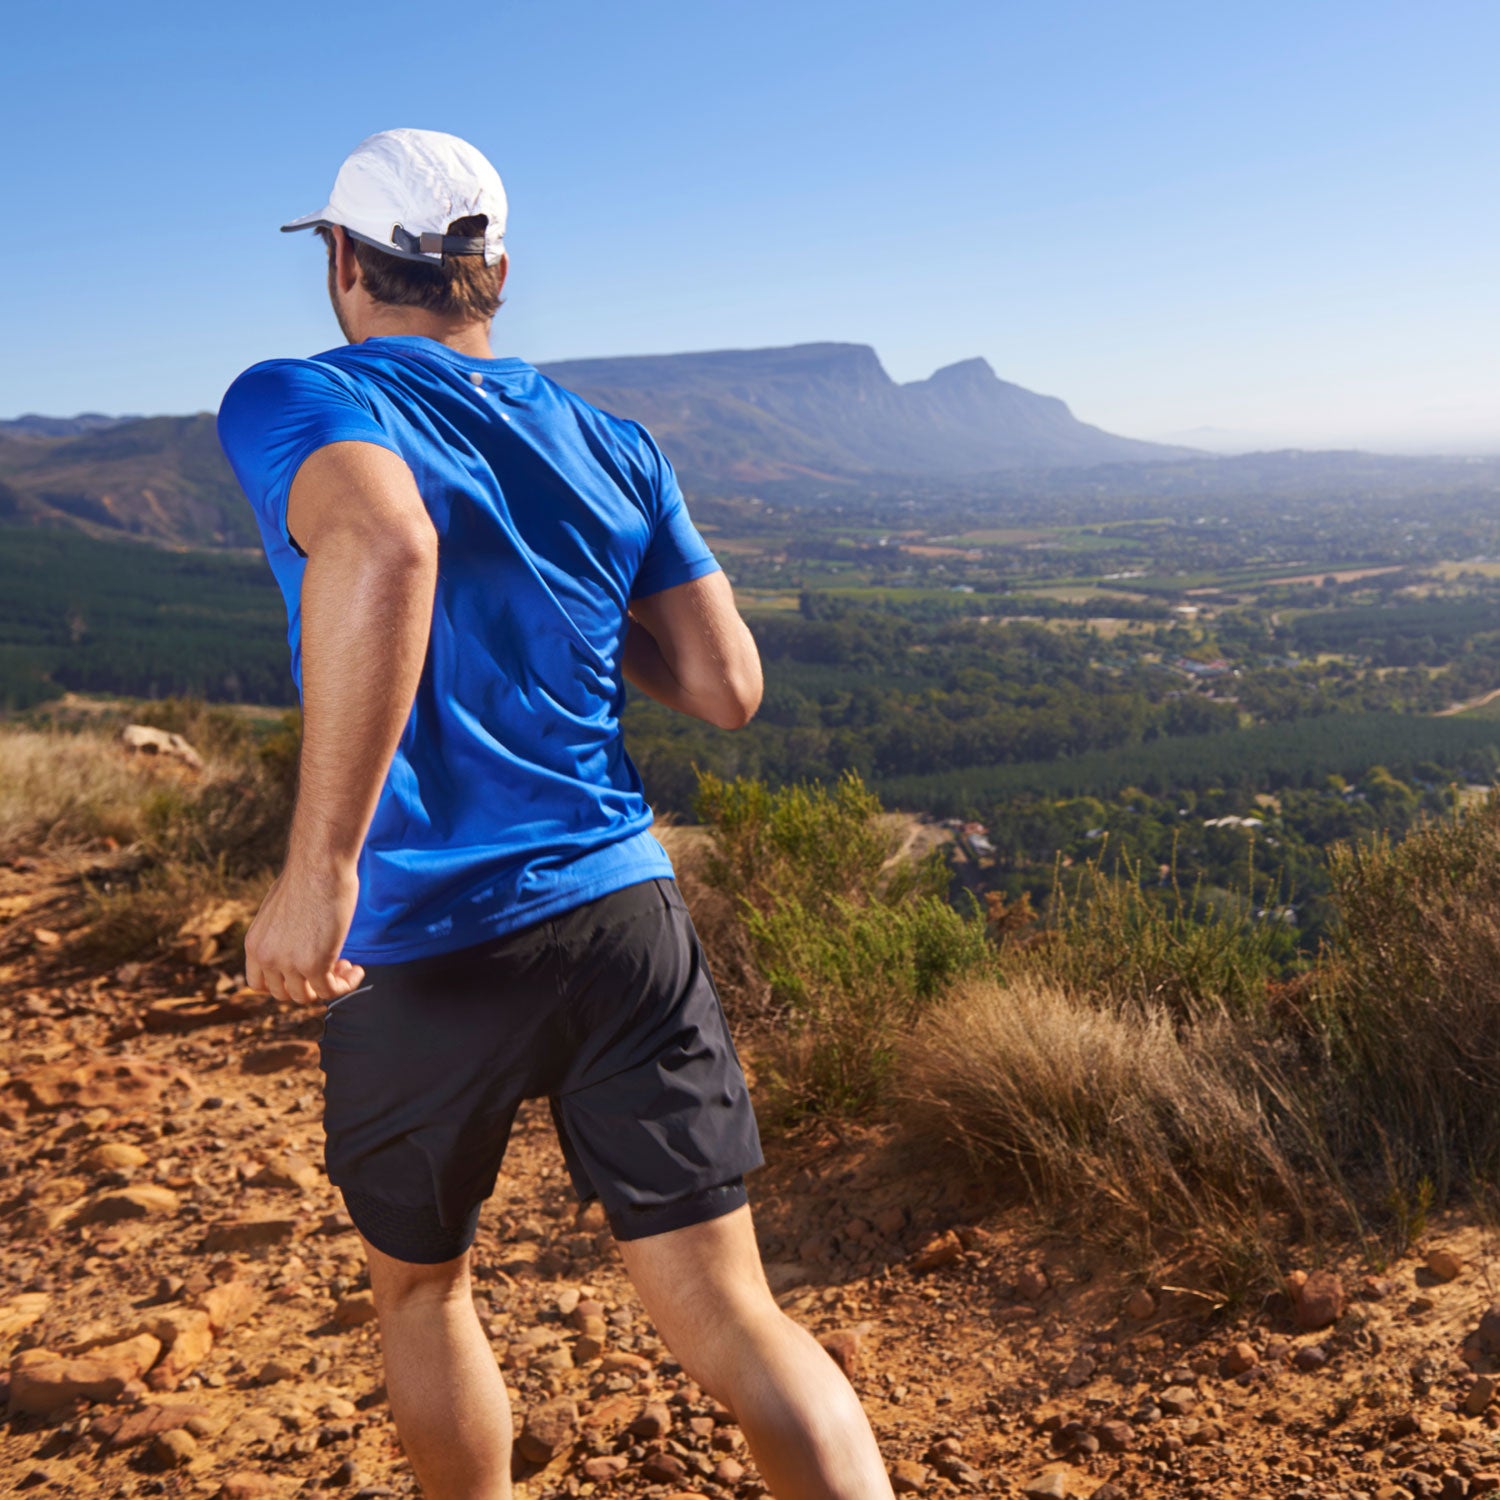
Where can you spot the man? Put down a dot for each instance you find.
(474, 562)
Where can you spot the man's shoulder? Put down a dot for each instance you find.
(624, 438)
(276, 385)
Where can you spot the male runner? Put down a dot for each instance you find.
(474, 561)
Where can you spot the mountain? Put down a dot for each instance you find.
(29, 424)
(728, 420)
(830, 411)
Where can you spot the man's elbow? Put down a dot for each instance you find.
(741, 703)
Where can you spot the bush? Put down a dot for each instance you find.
(1407, 1011)
(1110, 936)
(853, 940)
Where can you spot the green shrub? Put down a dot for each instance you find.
(1407, 1011)
(1109, 935)
(854, 940)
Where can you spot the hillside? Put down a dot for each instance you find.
(729, 420)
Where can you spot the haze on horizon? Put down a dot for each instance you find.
(1268, 227)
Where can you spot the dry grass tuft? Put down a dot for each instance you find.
(1116, 1113)
(59, 791)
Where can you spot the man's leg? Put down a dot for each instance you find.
(446, 1393)
(704, 1288)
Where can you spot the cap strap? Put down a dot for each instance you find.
(436, 244)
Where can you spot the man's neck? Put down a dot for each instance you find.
(407, 322)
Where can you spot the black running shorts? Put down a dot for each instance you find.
(608, 1010)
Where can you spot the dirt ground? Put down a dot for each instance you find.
(184, 1310)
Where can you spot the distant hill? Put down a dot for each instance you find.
(740, 416)
(826, 413)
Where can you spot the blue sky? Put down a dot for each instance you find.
(1277, 220)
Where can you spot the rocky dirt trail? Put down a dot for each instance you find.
(183, 1308)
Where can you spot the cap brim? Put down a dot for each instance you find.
(308, 221)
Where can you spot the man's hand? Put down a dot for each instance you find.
(292, 948)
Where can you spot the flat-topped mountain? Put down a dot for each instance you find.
(728, 420)
(740, 415)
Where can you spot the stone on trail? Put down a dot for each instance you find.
(1489, 1330)
(1177, 1400)
(140, 1202)
(941, 1250)
(186, 1335)
(1444, 1264)
(908, 1477)
(126, 1082)
(290, 1171)
(21, 1312)
(174, 1448)
(550, 1428)
(843, 1346)
(248, 1234)
(248, 1486)
(228, 1303)
(190, 1012)
(1051, 1485)
(124, 1429)
(114, 1156)
(1140, 1305)
(354, 1310)
(663, 1467)
(278, 1057)
(654, 1421)
(1480, 1395)
(1319, 1299)
(42, 1381)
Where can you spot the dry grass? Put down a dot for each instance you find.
(58, 791)
(1117, 1114)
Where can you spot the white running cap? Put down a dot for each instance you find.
(399, 190)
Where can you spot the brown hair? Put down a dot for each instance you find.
(462, 286)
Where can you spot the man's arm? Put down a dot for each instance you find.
(367, 594)
(688, 647)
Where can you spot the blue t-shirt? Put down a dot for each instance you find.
(510, 797)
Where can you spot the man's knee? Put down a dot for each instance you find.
(397, 1283)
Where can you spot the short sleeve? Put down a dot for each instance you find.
(676, 552)
(274, 417)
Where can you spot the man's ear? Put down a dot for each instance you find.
(504, 270)
(345, 266)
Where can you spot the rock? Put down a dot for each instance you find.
(278, 1057)
(908, 1477)
(190, 1012)
(550, 1428)
(1177, 1400)
(124, 1429)
(1116, 1437)
(114, 1156)
(1140, 1305)
(174, 1449)
(941, 1250)
(1049, 1485)
(1319, 1299)
(1489, 1331)
(42, 1381)
(890, 1222)
(228, 1303)
(143, 1201)
(21, 1312)
(1480, 1394)
(663, 1467)
(621, 1363)
(248, 1234)
(115, 1083)
(294, 1172)
(1310, 1357)
(1240, 1358)
(248, 1486)
(187, 1336)
(729, 1471)
(274, 1371)
(1032, 1283)
(142, 739)
(1109, 1492)
(653, 1422)
(355, 1310)
(843, 1346)
(605, 1468)
(1444, 1264)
